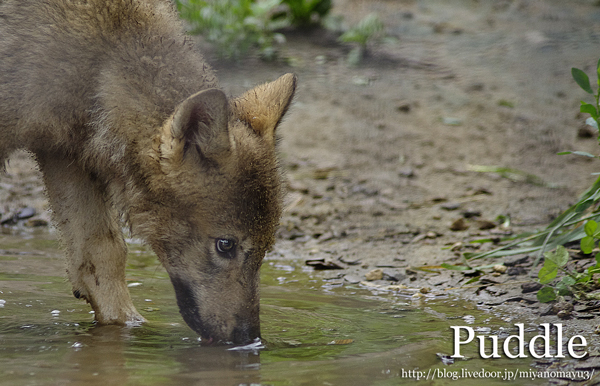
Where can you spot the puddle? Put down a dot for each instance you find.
(315, 333)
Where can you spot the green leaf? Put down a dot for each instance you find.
(595, 230)
(593, 270)
(588, 109)
(597, 257)
(546, 295)
(590, 227)
(568, 280)
(563, 289)
(560, 256)
(582, 80)
(583, 153)
(548, 272)
(582, 206)
(587, 244)
(584, 278)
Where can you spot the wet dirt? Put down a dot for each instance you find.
(379, 156)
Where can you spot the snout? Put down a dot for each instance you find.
(242, 334)
(215, 320)
(245, 333)
(221, 332)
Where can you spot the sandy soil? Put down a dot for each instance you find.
(379, 156)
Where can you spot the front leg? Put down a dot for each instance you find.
(95, 248)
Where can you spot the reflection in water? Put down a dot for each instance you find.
(105, 354)
(217, 366)
(99, 356)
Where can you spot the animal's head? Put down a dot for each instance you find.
(220, 197)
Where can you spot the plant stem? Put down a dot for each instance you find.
(550, 233)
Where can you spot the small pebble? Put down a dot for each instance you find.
(406, 172)
(485, 225)
(459, 225)
(470, 213)
(530, 287)
(404, 107)
(563, 314)
(352, 279)
(36, 222)
(515, 271)
(25, 213)
(451, 206)
(565, 307)
(376, 274)
(456, 246)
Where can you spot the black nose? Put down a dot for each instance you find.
(245, 333)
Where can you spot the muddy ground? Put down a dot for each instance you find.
(379, 157)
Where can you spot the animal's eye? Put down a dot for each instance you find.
(225, 247)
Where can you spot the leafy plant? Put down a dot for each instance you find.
(592, 234)
(557, 260)
(583, 81)
(565, 228)
(307, 12)
(368, 29)
(235, 26)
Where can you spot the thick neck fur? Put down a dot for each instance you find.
(147, 73)
(139, 91)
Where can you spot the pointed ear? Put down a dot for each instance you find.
(263, 107)
(201, 121)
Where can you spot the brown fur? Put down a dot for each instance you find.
(125, 118)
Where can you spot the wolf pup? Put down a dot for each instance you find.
(127, 121)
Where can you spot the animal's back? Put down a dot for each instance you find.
(58, 57)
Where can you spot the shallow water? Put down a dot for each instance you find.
(315, 332)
